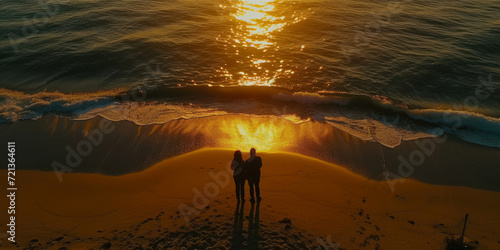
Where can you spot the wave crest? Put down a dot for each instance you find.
(368, 118)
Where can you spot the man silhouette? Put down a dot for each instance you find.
(252, 167)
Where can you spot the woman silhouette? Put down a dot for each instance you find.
(239, 175)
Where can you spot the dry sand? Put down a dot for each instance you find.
(306, 203)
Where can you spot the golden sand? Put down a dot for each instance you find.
(324, 203)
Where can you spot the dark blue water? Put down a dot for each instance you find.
(420, 61)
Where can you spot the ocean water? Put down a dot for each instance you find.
(378, 70)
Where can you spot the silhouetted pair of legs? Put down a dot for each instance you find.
(254, 182)
(240, 187)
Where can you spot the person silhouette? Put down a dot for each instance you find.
(252, 168)
(237, 165)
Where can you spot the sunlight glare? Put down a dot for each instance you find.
(252, 39)
(266, 136)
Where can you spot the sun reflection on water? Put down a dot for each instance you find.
(256, 23)
(251, 41)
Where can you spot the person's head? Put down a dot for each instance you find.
(253, 152)
(237, 156)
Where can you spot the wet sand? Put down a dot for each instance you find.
(128, 148)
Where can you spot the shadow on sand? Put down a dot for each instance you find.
(239, 241)
(253, 227)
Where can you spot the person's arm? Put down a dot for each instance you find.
(260, 162)
(233, 165)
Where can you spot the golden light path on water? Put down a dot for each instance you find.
(257, 23)
(251, 40)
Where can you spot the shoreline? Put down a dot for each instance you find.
(320, 199)
(444, 160)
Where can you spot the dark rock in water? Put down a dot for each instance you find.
(286, 220)
(106, 245)
(287, 227)
(34, 240)
(411, 222)
(392, 217)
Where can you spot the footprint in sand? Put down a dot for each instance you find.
(361, 212)
(159, 215)
(441, 227)
(56, 240)
(286, 220)
(147, 220)
(399, 197)
(106, 245)
(373, 237)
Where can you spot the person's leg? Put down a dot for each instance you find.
(242, 189)
(238, 187)
(250, 184)
(257, 187)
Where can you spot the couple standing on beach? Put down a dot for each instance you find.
(246, 170)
